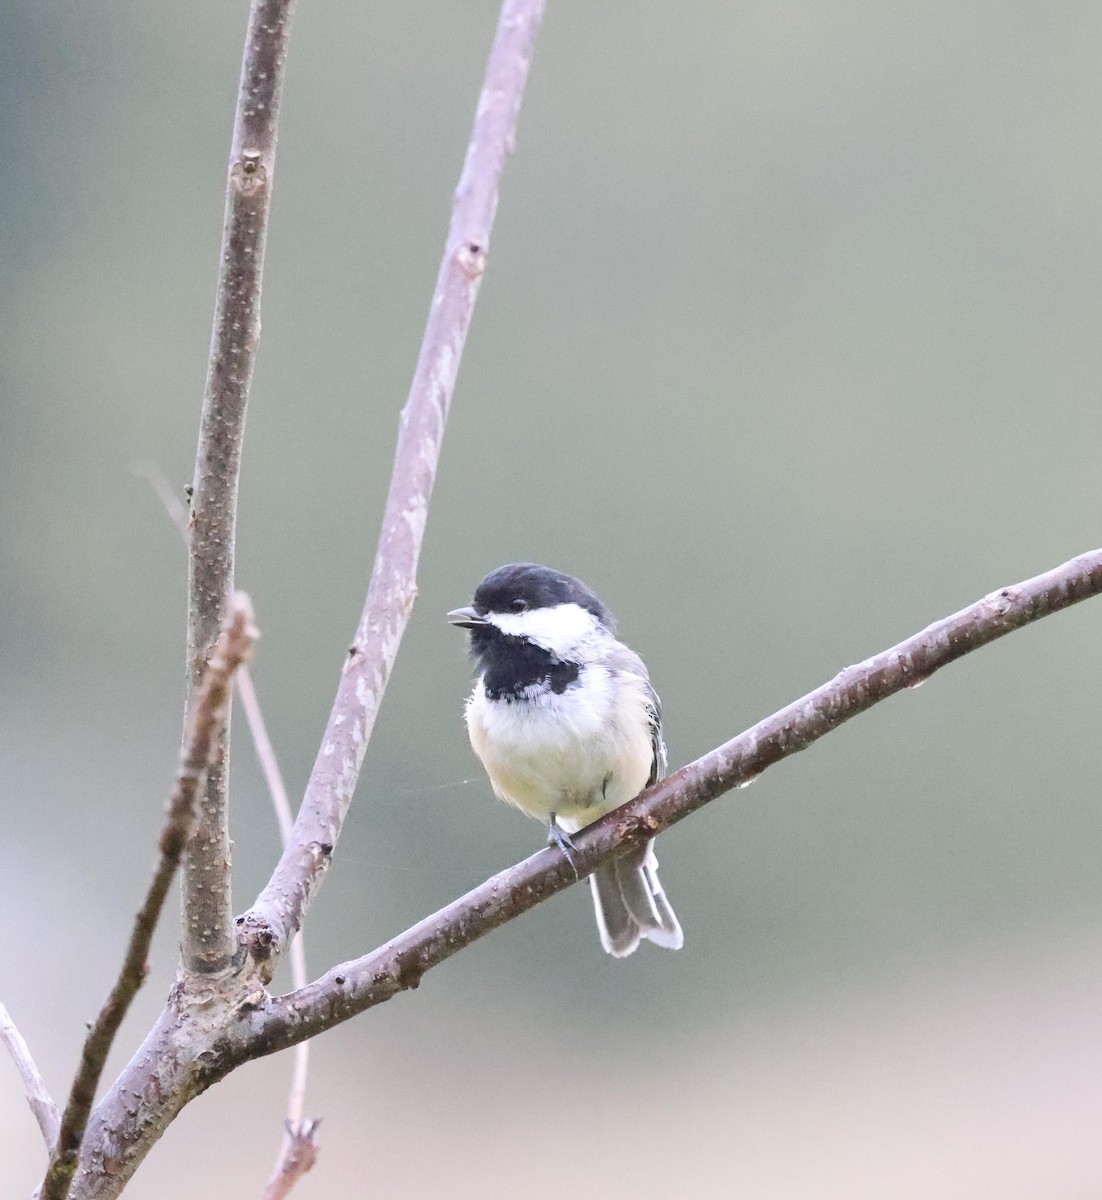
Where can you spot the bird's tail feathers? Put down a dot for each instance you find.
(631, 904)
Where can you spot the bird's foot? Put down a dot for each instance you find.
(558, 837)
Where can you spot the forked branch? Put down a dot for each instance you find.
(179, 1057)
(217, 1019)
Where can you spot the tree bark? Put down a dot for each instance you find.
(209, 941)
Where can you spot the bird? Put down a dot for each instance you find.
(568, 727)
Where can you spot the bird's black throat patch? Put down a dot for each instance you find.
(510, 665)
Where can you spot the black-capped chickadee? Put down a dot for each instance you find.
(568, 727)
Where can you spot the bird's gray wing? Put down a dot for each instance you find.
(629, 898)
(629, 663)
(654, 716)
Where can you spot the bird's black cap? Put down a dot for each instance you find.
(519, 586)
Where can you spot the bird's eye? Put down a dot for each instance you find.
(518, 605)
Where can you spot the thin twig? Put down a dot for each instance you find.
(208, 935)
(352, 987)
(299, 1150)
(207, 719)
(265, 754)
(279, 909)
(40, 1100)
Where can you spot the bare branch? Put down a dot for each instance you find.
(299, 1150)
(149, 1093)
(352, 987)
(208, 717)
(279, 909)
(208, 936)
(42, 1105)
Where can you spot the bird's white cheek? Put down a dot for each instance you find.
(559, 629)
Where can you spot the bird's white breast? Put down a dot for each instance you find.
(576, 755)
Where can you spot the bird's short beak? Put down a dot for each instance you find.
(466, 618)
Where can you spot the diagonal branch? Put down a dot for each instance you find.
(183, 1055)
(208, 718)
(38, 1097)
(352, 987)
(279, 909)
(208, 935)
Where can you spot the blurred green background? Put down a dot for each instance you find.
(788, 345)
